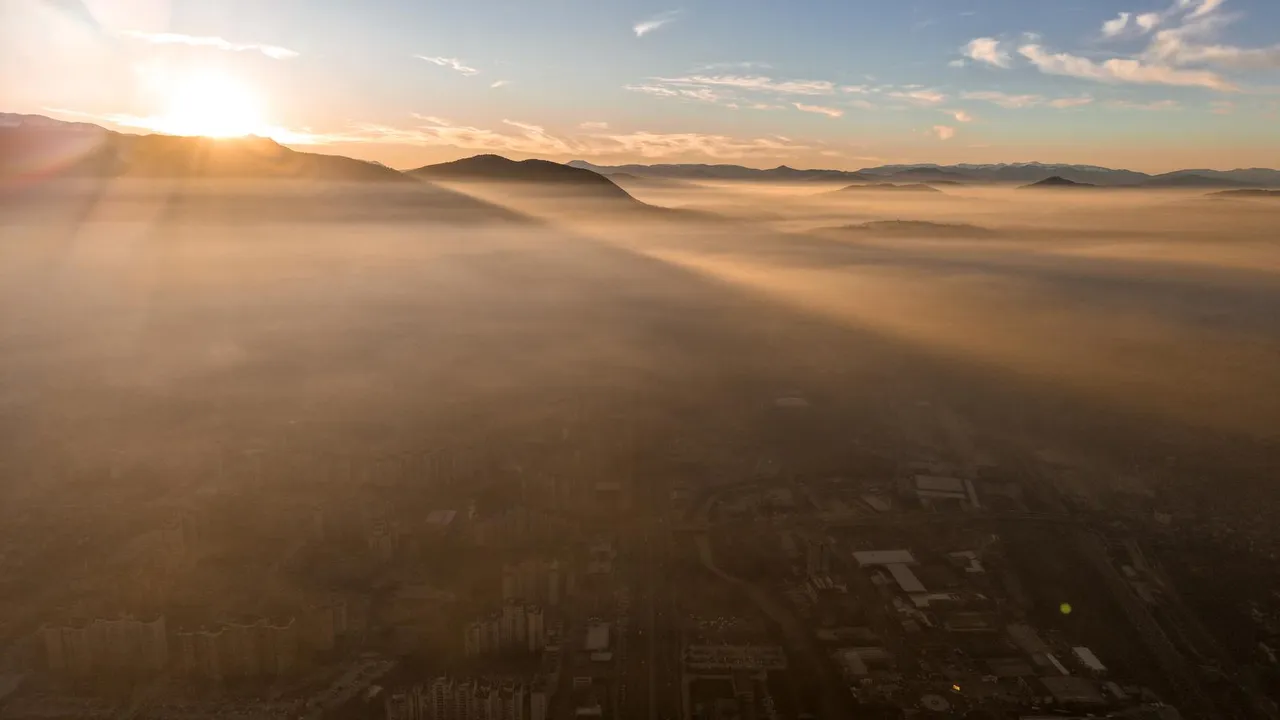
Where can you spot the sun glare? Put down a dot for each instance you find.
(212, 105)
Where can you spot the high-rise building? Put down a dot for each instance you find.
(510, 582)
(535, 628)
(122, 646)
(554, 577)
(439, 700)
(538, 703)
(512, 698)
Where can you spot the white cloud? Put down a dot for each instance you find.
(1112, 28)
(1147, 21)
(1003, 99)
(499, 83)
(920, 97)
(592, 125)
(960, 115)
(1152, 105)
(687, 93)
(944, 132)
(1121, 70)
(754, 83)
(1070, 102)
(987, 50)
(451, 63)
(820, 109)
(644, 27)
(271, 51)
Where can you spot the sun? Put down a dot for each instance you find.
(210, 104)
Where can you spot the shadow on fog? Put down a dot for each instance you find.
(195, 338)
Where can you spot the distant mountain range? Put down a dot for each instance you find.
(1057, 181)
(41, 146)
(36, 145)
(1013, 174)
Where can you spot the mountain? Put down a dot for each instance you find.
(1056, 182)
(890, 187)
(928, 174)
(44, 147)
(1015, 173)
(1246, 193)
(1196, 179)
(782, 173)
(541, 174)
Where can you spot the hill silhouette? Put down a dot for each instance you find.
(1192, 179)
(1246, 193)
(35, 145)
(890, 187)
(498, 169)
(1056, 181)
(916, 228)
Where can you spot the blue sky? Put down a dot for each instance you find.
(1145, 84)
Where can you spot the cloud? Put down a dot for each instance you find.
(644, 27)
(1003, 99)
(960, 115)
(987, 50)
(1152, 105)
(1148, 21)
(920, 97)
(1121, 70)
(451, 63)
(958, 63)
(944, 132)
(591, 125)
(819, 109)
(499, 83)
(687, 93)
(754, 83)
(718, 147)
(271, 51)
(739, 65)
(1071, 102)
(1112, 28)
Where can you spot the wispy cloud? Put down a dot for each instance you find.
(594, 125)
(1070, 102)
(700, 94)
(1003, 99)
(739, 65)
(452, 63)
(987, 50)
(920, 97)
(644, 27)
(960, 115)
(820, 109)
(499, 83)
(1120, 70)
(1113, 28)
(208, 41)
(753, 83)
(1151, 105)
(944, 132)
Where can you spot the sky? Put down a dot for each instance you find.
(1151, 85)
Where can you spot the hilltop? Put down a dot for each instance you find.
(1056, 182)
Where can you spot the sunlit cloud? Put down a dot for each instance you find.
(452, 63)
(644, 27)
(920, 97)
(1113, 28)
(754, 83)
(1121, 70)
(820, 110)
(987, 50)
(1071, 102)
(944, 132)
(960, 115)
(499, 83)
(592, 125)
(1150, 105)
(209, 41)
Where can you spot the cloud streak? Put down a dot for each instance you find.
(988, 51)
(208, 41)
(644, 27)
(1121, 70)
(452, 63)
(820, 110)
